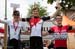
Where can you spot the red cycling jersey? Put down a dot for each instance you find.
(60, 35)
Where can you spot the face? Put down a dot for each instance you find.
(16, 18)
(59, 20)
(35, 13)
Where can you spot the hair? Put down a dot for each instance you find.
(58, 15)
(36, 8)
(16, 13)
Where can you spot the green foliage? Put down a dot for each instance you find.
(42, 10)
(66, 4)
(50, 1)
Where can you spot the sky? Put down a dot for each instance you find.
(23, 7)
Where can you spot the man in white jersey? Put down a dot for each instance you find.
(36, 24)
(14, 29)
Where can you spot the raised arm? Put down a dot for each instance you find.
(53, 15)
(58, 9)
(25, 19)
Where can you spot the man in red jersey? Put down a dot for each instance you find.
(60, 33)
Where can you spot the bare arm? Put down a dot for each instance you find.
(45, 33)
(58, 9)
(3, 21)
(24, 29)
(55, 13)
(26, 33)
(52, 16)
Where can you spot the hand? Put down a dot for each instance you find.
(58, 6)
(44, 33)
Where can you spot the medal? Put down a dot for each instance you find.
(15, 27)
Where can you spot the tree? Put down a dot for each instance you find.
(42, 10)
(66, 4)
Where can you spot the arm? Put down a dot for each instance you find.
(25, 19)
(55, 13)
(45, 18)
(50, 17)
(3, 21)
(58, 8)
(25, 32)
(44, 33)
(71, 29)
(24, 29)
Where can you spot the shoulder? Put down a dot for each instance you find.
(54, 27)
(66, 26)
